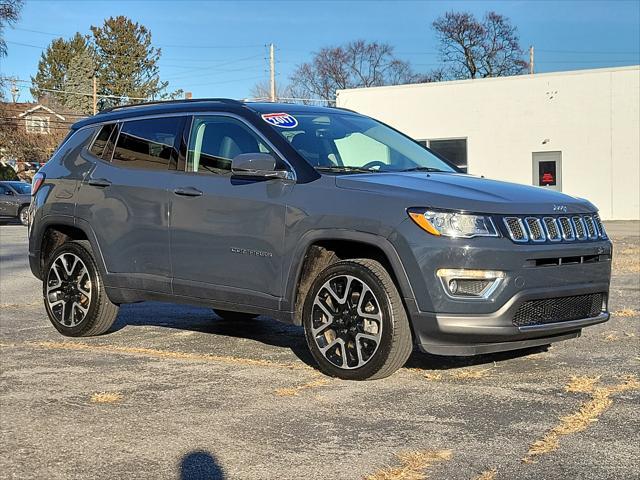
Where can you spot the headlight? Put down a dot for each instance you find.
(453, 224)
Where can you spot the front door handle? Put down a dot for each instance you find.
(188, 192)
(99, 182)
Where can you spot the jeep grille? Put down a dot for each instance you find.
(554, 229)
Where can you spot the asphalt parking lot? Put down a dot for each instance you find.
(175, 392)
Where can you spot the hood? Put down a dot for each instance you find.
(466, 192)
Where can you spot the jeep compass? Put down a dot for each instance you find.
(320, 217)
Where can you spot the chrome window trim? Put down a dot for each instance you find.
(524, 230)
(543, 237)
(191, 113)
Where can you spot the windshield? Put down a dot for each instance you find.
(339, 142)
(22, 188)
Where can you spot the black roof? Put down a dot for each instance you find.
(200, 104)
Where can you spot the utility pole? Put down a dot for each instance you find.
(272, 73)
(95, 95)
(531, 70)
(15, 91)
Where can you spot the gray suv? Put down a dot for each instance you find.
(320, 217)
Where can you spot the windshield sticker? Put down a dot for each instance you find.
(282, 120)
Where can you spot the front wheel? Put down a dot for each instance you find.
(74, 295)
(355, 323)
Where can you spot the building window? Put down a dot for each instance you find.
(547, 170)
(37, 124)
(453, 149)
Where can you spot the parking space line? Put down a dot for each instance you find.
(587, 413)
(412, 465)
(165, 354)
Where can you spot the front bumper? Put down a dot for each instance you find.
(452, 326)
(472, 334)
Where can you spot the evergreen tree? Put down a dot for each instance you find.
(80, 79)
(127, 63)
(53, 68)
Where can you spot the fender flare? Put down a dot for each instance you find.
(67, 220)
(314, 236)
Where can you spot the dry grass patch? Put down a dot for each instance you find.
(471, 374)
(461, 374)
(613, 336)
(412, 465)
(626, 313)
(626, 260)
(106, 397)
(295, 391)
(487, 475)
(588, 413)
(153, 353)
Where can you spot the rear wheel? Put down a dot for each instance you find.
(235, 316)
(74, 294)
(355, 323)
(23, 215)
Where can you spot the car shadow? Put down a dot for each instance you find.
(277, 334)
(203, 320)
(200, 465)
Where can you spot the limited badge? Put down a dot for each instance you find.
(282, 120)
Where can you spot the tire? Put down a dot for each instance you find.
(369, 327)
(76, 302)
(23, 215)
(235, 316)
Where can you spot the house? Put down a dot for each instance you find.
(31, 131)
(38, 117)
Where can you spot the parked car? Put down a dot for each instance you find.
(15, 197)
(316, 216)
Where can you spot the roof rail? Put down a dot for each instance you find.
(168, 102)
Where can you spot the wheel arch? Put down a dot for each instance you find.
(318, 249)
(56, 230)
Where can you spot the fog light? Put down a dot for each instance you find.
(470, 284)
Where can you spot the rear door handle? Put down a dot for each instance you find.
(188, 192)
(99, 182)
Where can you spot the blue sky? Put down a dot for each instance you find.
(219, 48)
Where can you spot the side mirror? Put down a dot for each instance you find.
(261, 165)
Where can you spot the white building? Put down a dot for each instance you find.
(578, 132)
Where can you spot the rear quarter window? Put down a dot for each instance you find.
(101, 141)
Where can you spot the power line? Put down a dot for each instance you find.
(70, 92)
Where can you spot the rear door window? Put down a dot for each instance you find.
(148, 144)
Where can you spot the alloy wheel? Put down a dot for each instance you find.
(24, 216)
(68, 290)
(346, 322)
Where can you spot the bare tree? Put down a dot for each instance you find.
(356, 64)
(261, 91)
(471, 48)
(9, 14)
